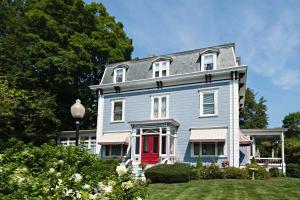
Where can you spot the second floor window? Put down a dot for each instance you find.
(159, 107)
(161, 69)
(117, 112)
(119, 75)
(208, 62)
(208, 103)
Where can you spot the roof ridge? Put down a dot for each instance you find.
(171, 54)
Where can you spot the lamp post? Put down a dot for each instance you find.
(77, 112)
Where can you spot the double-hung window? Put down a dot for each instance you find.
(119, 75)
(208, 149)
(208, 61)
(161, 69)
(208, 103)
(117, 110)
(159, 107)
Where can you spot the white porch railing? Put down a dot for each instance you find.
(267, 161)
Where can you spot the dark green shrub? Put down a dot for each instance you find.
(212, 171)
(176, 173)
(260, 173)
(235, 173)
(274, 172)
(293, 170)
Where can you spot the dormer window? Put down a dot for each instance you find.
(119, 75)
(161, 69)
(209, 59)
(208, 62)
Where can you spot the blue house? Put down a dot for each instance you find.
(177, 107)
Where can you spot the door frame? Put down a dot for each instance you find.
(150, 143)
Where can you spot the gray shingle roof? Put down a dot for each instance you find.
(182, 63)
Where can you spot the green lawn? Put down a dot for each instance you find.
(275, 188)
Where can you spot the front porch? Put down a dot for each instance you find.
(273, 139)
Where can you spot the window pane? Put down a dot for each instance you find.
(163, 144)
(155, 108)
(208, 103)
(119, 75)
(138, 132)
(209, 109)
(208, 59)
(151, 130)
(172, 146)
(163, 130)
(208, 149)
(221, 148)
(107, 147)
(208, 98)
(146, 144)
(137, 145)
(196, 149)
(115, 150)
(124, 149)
(163, 107)
(118, 110)
(164, 72)
(155, 144)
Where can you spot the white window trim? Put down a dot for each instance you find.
(115, 74)
(114, 156)
(201, 92)
(160, 68)
(214, 61)
(200, 149)
(159, 106)
(112, 111)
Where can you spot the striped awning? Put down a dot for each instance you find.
(114, 138)
(208, 134)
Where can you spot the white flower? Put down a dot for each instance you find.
(1, 169)
(121, 170)
(127, 185)
(60, 162)
(139, 198)
(111, 183)
(51, 170)
(21, 170)
(58, 174)
(69, 192)
(100, 186)
(78, 195)
(20, 180)
(77, 177)
(59, 181)
(107, 189)
(86, 186)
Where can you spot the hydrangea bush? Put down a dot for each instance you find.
(57, 172)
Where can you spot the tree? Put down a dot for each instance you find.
(59, 47)
(254, 113)
(292, 123)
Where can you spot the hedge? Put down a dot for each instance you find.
(293, 170)
(235, 173)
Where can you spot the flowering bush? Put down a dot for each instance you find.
(56, 172)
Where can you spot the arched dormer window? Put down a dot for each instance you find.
(209, 59)
(161, 67)
(120, 73)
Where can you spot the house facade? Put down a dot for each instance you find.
(177, 107)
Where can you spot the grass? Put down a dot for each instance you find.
(275, 188)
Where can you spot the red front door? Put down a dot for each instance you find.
(150, 149)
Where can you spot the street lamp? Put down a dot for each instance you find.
(77, 112)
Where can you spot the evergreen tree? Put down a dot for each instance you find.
(292, 123)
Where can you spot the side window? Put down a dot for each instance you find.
(208, 103)
(117, 110)
(159, 107)
(209, 62)
(119, 75)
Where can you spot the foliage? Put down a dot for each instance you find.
(39, 108)
(292, 150)
(57, 172)
(254, 113)
(55, 50)
(292, 123)
(293, 170)
(235, 173)
(164, 173)
(260, 173)
(212, 171)
(274, 172)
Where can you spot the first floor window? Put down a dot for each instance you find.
(117, 110)
(163, 144)
(159, 107)
(115, 150)
(208, 103)
(137, 145)
(208, 148)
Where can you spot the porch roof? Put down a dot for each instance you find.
(155, 121)
(264, 132)
(114, 138)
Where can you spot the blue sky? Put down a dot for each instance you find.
(266, 34)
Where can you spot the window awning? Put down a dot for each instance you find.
(114, 138)
(208, 134)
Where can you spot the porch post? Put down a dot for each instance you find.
(168, 143)
(100, 112)
(253, 146)
(282, 153)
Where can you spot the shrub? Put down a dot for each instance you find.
(176, 173)
(274, 172)
(260, 173)
(235, 173)
(293, 170)
(211, 171)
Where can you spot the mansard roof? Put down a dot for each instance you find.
(181, 63)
